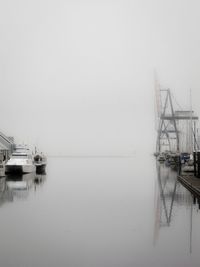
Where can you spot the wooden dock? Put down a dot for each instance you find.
(192, 183)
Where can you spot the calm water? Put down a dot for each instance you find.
(101, 212)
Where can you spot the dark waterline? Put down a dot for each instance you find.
(99, 212)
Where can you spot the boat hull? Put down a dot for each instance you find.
(20, 169)
(40, 168)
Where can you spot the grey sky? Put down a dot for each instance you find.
(77, 77)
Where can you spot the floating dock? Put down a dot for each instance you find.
(192, 183)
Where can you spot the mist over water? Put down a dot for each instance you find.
(78, 77)
(99, 212)
(77, 82)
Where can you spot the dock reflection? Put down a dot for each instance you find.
(18, 186)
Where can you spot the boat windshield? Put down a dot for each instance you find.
(20, 156)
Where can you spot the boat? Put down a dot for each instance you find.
(184, 157)
(21, 161)
(188, 166)
(40, 162)
(161, 158)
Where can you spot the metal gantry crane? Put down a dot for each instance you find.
(168, 132)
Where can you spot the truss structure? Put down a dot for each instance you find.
(168, 132)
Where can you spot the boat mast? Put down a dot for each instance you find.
(191, 126)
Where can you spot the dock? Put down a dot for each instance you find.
(192, 183)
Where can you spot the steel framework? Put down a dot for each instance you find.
(168, 134)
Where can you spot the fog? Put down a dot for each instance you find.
(77, 77)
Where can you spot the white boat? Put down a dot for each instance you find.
(188, 168)
(21, 161)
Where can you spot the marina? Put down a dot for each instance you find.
(178, 143)
(84, 206)
(100, 133)
(16, 159)
(100, 197)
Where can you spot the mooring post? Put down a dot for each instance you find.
(179, 165)
(198, 164)
(195, 163)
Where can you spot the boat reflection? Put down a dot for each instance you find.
(5, 194)
(39, 179)
(18, 187)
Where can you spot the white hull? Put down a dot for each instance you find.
(28, 168)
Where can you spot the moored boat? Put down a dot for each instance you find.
(40, 162)
(161, 158)
(21, 161)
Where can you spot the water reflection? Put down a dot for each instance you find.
(196, 202)
(5, 194)
(99, 212)
(168, 193)
(170, 197)
(18, 187)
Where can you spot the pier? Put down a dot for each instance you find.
(178, 140)
(6, 146)
(192, 183)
